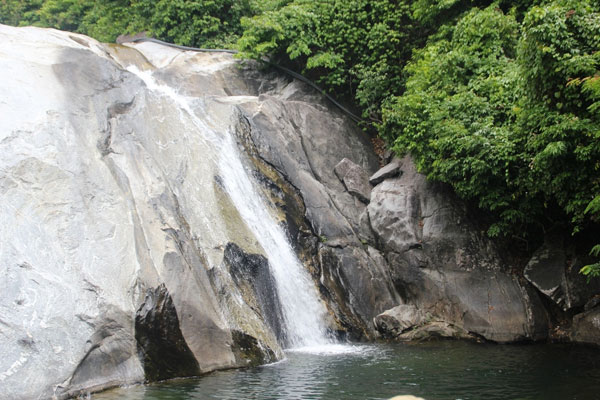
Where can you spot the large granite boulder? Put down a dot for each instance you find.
(114, 222)
(554, 271)
(354, 179)
(586, 327)
(399, 319)
(323, 162)
(441, 263)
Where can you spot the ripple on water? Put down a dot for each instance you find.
(434, 371)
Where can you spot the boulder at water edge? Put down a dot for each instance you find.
(444, 265)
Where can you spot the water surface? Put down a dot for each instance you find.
(439, 370)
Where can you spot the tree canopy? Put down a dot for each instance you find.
(185, 22)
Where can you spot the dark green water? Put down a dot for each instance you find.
(439, 370)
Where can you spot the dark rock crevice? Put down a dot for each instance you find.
(161, 344)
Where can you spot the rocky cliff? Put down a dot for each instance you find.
(126, 258)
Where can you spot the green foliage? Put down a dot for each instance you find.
(456, 115)
(558, 49)
(210, 23)
(506, 112)
(591, 271)
(63, 14)
(18, 12)
(355, 48)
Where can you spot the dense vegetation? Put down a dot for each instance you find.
(214, 23)
(500, 99)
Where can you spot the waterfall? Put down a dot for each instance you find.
(302, 310)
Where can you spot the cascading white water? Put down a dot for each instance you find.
(303, 312)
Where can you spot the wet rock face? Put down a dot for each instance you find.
(358, 282)
(303, 144)
(251, 274)
(250, 351)
(106, 188)
(164, 350)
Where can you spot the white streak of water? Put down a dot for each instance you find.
(303, 311)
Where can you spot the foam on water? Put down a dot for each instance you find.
(332, 349)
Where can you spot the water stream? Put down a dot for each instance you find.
(303, 312)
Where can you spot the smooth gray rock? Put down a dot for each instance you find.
(101, 178)
(359, 283)
(389, 171)
(435, 330)
(444, 265)
(399, 319)
(355, 179)
(586, 327)
(554, 271)
(407, 323)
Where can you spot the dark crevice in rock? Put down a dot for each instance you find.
(161, 344)
(104, 145)
(243, 132)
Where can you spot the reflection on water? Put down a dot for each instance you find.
(440, 370)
